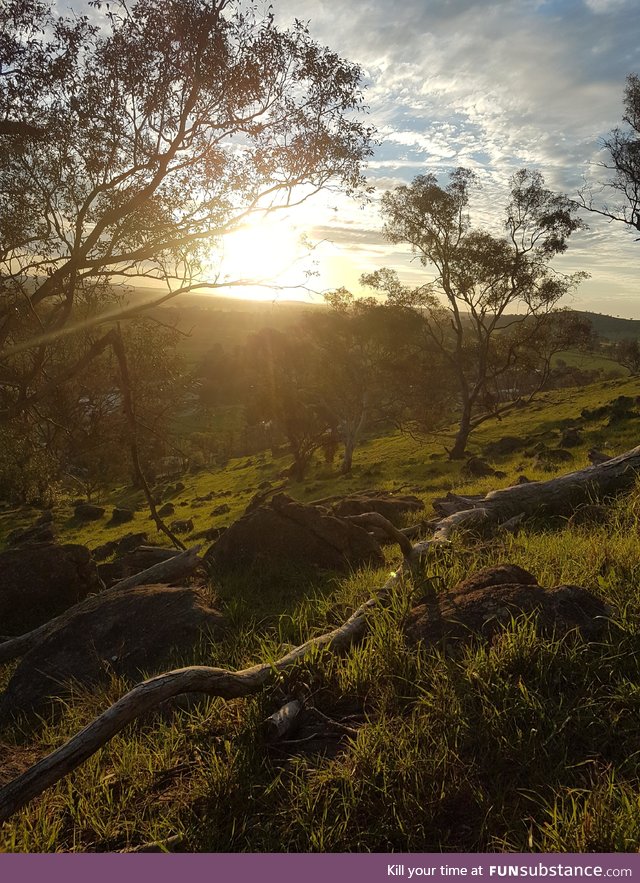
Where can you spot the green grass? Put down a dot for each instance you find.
(527, 744)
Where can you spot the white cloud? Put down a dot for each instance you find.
(603, 6)
(493, 86)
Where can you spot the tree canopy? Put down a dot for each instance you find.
(133, 138)
(622, 146)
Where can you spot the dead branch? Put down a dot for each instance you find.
(176, 567)
(147, 695)
(556, 496)
(282, 721)
(375, 519)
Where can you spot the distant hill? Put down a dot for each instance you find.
(612, 327)
(211, 320)
(228, 321)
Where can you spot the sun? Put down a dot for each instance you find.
(261, 256)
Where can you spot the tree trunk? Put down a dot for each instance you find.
(352, 436)
(462, 436)
(347, 458)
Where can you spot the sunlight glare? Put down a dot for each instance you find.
(265, 255)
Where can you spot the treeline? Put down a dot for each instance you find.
(364, 365)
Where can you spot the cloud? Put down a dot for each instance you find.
(603, 6)
(493, 86)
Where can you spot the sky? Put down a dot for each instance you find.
(493, 86)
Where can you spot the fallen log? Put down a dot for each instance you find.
(556, 496)
(176, 567)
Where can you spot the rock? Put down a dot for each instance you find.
(497, 575)
(133, 561)
(475, 467)
(286, 531)
(129, 542)
(41, 582)
(182, 525)
(210, 534)
(179, 487)
(570, 438)
(508, 444)
(392, 506)
(549, 458)
(522, 479)
(45, 518)
(597, 457)
(166, 509)
(88, 512)
(222, 509)
(127, 632)
(121, 515)
(37, 533)
(480, 607)
(104, 551)
(618, 409)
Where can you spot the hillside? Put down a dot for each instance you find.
(525, 744)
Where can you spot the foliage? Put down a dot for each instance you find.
(280, 375)
(467, 311)
(623, 161)
(627, 353)
(149, 132)
(134, 139)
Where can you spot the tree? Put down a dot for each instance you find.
(491, 294)
(627, 353)
(280, 375)
(133, 141)
(350, 348)
(623, 147)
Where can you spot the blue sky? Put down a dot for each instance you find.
(494, 86)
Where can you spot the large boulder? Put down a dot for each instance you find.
(571, 437)
(41, 581)
(284, 531)
(40, 532)
(126, 632)
(488, 601)
(392, 506)
(121, 515)
(549, 459)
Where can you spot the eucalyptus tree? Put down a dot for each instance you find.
(133, 138)
(490, 295)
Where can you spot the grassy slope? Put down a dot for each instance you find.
(530, 744)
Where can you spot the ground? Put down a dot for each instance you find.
(529, 743)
